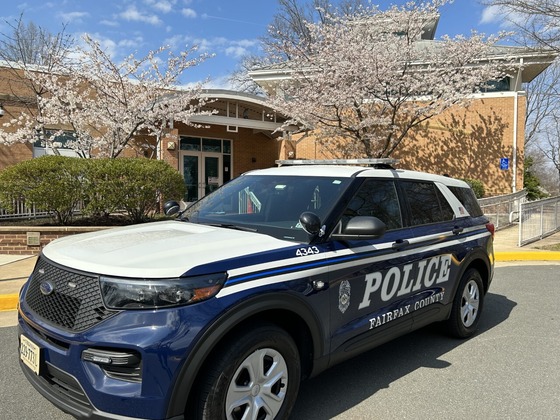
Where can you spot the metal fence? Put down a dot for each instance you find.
(503, 210)
(22, 211)
(538, 219)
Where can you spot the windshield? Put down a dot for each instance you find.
(269, 204)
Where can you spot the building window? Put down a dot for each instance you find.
(211, 145)
(57, 138)
(502, 85)
(190, 143)
(198, 144)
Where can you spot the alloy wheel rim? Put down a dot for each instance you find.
(470, 302)
(258, 387)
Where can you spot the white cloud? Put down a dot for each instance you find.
(188, 13)
(134, 15)
(164, 6)
(246, 43)
(108, 45)
(116, 49)
(491, 14)
(236, 52)
(72, 17)
(130, 43)
(220, 82)
(110, 23)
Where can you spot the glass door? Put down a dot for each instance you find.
(202, 173)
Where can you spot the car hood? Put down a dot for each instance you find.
(156, 250)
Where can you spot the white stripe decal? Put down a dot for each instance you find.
(324, 257)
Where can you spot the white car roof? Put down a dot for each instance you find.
(357, 171)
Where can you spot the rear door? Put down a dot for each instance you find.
(437, 246)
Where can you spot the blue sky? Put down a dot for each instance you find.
(227, 28)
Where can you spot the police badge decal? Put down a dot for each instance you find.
(344, 296)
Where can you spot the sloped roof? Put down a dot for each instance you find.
(533, 61)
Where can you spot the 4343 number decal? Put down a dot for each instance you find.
(302, 252)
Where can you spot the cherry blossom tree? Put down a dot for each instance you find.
(26, 48)
(104, 104)
(537, 22)
(362, 80)
(288, 25)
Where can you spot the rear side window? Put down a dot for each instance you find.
(427, 204)
(468, 199)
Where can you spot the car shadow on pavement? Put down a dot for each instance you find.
(348, 384)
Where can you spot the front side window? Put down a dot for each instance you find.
(427, 204)
(378, 198)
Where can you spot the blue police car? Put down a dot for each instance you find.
(271, 279)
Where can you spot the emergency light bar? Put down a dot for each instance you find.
(382, 163)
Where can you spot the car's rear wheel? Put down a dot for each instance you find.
(467, 305)
(254, 376)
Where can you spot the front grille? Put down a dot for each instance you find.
(73, 300)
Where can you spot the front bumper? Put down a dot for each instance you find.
(83, 388)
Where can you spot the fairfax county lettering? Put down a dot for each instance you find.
(397, 313)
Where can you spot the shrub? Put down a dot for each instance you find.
(51, 183)
(477, 187)
(136, 185)
(59, 184)
(531, 181)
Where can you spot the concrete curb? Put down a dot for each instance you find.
(502, 256)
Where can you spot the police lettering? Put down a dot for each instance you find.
(408, 279)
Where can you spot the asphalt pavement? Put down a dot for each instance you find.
(509, 370)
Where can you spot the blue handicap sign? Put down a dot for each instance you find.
(504, 164)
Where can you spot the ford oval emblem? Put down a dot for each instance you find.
(46, 288)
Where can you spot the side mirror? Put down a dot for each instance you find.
(171, 208)
(310, 222)
(362, 227)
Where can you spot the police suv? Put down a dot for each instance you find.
(274, 277)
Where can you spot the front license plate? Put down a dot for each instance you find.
(30, 353)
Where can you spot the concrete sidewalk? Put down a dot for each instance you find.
(14, 269)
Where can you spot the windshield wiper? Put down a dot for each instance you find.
(232, 226)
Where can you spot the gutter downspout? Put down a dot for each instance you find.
(516, 123)
(515, 128)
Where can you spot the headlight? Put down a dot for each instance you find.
(121, 293)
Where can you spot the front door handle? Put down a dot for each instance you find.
(400, 243)
(456, 230)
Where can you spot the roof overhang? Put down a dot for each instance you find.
(532, 62)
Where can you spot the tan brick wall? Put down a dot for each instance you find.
(469, 142)
(12, 90)
(464, 142)
(10, 155)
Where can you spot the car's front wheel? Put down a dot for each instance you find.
(467, 305)
(255, 376)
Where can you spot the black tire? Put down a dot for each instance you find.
(467, 305)
(230, 387)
